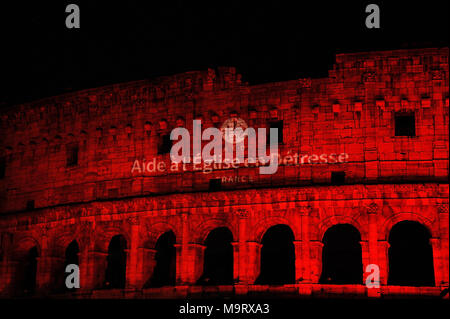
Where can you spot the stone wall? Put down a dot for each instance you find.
(48, 198)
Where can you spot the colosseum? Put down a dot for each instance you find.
(361, 190)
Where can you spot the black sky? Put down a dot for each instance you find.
(132, 40)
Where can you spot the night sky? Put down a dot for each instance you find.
(132, 40)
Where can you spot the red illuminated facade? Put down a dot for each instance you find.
(68, 191)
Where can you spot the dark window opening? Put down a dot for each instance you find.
(2, 167)
(277, 257)
(410, 255)
(30, 267)
(405, 125)
(341, 256)
(164, 271)
(278, 125)
(165, 144)
(72, 155)
(337, 178)
(215, 184)
(30, 204)
(71, 257)
(117, 259)
(218, 260)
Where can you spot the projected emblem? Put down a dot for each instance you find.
(229, 130)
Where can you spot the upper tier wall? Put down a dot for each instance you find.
(351, 112)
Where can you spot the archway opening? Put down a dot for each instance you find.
(277, 257)
(218, 259)
(30, 271)
(410, 255)
(341, 256)
(71, 257)
(164, 271)
(117, 259)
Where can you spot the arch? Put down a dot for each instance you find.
(69, 256)
(264, 225)
(331, 221)
(71, 253)
(390, 222)
(164, 271)
(410, 255)
(203, 230)
(104, 235)
(341, 255)
(218, 258)
(25, 254)
(62, 239)
(115, 274)
(22, 246)
(277, 256)
(155, 231)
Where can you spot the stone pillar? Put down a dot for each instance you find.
(316, 260)
(444, 245)
(145, 267)
(8, 282)
(236, 262)
(437, 262)
(193, 263)
(372, 211)
(47, 265)
(4, 276)
(299, 262)
(240, 252)
(179, 268)
(46, 277)
(368, 259)
(189, 257)
(94, 269)
(253, 266)
(365, 258)
(383, 260)
(371, 250)
(305, 250)
(85, 270)
(133, 274)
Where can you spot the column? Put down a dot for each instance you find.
(299, 262)
(316, 260)
(367, 259)
(437, 262)
(383, 260)
(253, 266)
(373, 233)
(365, 256)
(146, 266)
(179, 268)
(95, 269)
(189, 257)
(444, 244)
(370, 249)
(193, 263)
(240, 251)
(8, 271)
(134, 266)
(237, 272)
(85, 270)
(47, 265)
(305, 250)
(48, 271)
